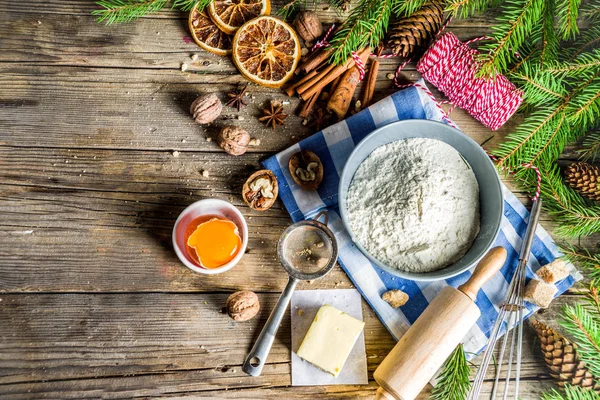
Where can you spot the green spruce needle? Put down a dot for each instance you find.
(116, 11)
(571, 393)
(453, 383)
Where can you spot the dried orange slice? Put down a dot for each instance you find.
(229, 15)
(207, 34)
(266, 51)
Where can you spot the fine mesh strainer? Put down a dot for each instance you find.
(307, 250)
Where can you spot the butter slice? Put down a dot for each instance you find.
(330, 339)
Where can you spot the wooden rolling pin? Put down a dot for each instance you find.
(434, 335)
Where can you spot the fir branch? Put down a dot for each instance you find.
(545, 132)
(584, 65)
(453, 383)
(540, 88)
(518, 20)
(591, 10)
(584, 108)
(339, 5)
(291, 7)
(571, 393)
(530, 137)
(567, 11)
(590, 147)
(529, 52)
(587, 40)
(467, 8)
(365, 26)
(593, 299)
(582, 326)
(406, 8)
(585, 259)
(571, 213)
(115, 11)
(548, 38)
(186, 5)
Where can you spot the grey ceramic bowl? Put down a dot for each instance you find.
(490, 191)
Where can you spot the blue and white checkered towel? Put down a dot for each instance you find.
(333, 145)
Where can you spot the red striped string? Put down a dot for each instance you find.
(450, 65)
(359, 65)
(323, 42)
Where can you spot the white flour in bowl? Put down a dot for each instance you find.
(414, 205)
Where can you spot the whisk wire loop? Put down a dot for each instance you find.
(510, 316)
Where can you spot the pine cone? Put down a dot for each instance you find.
(406, 35)
(561, 359)
(585, 179)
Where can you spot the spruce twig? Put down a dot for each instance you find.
(591, 10)
(549, 43)
(571, 213)
(590, 147)
(571, 393)
(583, 326)
(453, 383)
(467, 8)
(114, 11)
(408, 7)
(186, 5)
(583, 65)
(544, 133)
(288, 9)
(567, 11)
(518, 20)
(365, 26)
(587, 40)
(585, 259)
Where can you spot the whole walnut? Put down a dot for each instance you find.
(243, 305)
(206, 108)
(234, 140)
(308, 25)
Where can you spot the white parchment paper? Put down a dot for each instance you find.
(304, 307)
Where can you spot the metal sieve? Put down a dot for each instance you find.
(307, 250)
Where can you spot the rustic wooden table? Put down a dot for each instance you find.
(98, 155)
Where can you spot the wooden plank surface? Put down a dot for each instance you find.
(155, 338)
(98, 155)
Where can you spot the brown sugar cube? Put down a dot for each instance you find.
(539, 293)
(395, 298)
(553, 272)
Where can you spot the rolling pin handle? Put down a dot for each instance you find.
(487, 267)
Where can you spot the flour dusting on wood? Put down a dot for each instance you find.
(414, 205)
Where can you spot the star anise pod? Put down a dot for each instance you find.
(237, 98)
(273, 115)
(320, 120)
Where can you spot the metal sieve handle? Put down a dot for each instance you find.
(260, 351)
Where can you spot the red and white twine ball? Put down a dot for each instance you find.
(450, 65)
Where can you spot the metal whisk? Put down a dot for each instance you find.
(511, 316)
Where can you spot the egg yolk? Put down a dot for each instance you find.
(215, 242)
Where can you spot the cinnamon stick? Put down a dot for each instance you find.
(291, 90)
(369, 89)
(340, 99)
(314, 62)
(326, 76)
(314, 81)
(334, 84)
(308, 105)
